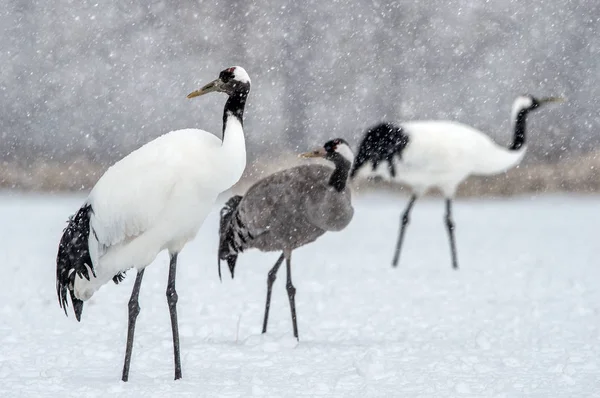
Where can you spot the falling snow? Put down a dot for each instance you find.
(520, 318)
(83, 79)
(85, 83)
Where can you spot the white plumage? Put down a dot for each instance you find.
(442, 154)
(439, 154)
(155, 198)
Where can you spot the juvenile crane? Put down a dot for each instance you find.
(287, 210)
(155, 198)
(442, 154)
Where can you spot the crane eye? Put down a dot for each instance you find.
(227, 75)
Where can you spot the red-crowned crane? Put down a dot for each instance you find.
(155, 198)
(442, 154)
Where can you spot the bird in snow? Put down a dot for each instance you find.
(155, 198)
(287, 210)
(428, 154)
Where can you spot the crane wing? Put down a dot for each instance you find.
(133, 194)
(274, 194)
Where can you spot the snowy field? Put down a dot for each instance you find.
(519, 319)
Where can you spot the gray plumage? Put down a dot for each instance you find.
(290, 208)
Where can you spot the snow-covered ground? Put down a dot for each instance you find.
(520, 318)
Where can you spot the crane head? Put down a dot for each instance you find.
(332, 150)
(529, 102)
(230, 81)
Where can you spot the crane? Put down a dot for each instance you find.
(287, 210)
(155, 198)
(439, 154)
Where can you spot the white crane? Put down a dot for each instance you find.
(442, 154)
(155, 198)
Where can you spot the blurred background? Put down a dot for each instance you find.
(84, 83)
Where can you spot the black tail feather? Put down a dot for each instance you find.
(380, 144)
(231, 261)
(74, 259)
(228, 250)
(77, 306)
(120, 277)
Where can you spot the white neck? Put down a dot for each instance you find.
(233, 150)
(498, 160)
(346, 152)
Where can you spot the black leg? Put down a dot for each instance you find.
(450, 226)
(134, 310)
(291, 290)
(172, 300)
(404, 222)
(270, 280)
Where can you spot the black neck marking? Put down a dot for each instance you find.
(339, 177)
(235, 106)
(520, 127)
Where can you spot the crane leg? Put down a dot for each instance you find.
(291, 290)
(172, 301)
(404, 222)
(270, 280)
(450, 227)
(134, 310)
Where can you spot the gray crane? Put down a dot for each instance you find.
(287, 210)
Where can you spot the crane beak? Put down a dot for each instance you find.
(317, 153)
(215, 85)
(551, 99)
